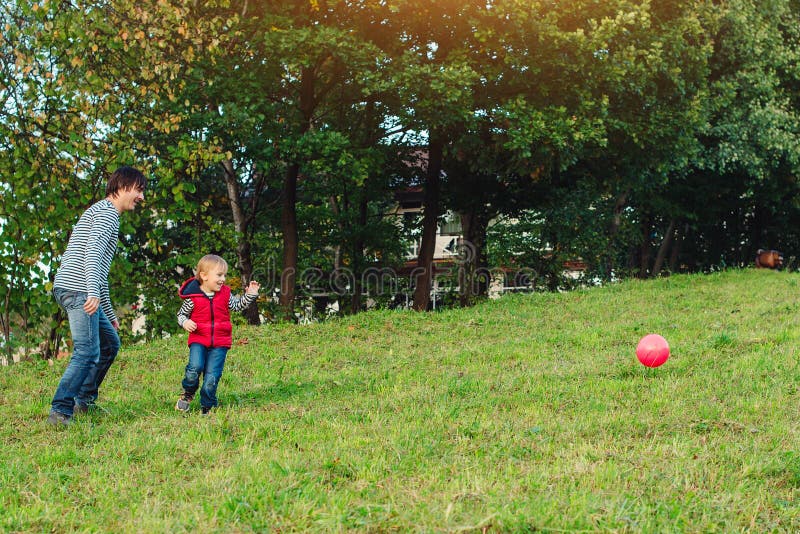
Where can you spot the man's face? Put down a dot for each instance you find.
(129, 198)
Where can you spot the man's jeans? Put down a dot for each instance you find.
(208, 362)
(95, 345)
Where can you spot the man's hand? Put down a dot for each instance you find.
(189, 325)
(91, 305)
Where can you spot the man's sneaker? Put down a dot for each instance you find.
(80, 409)
(183, 402)
(58, 419)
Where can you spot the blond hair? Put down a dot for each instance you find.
(208, 262)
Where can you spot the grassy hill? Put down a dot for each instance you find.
(530, 413)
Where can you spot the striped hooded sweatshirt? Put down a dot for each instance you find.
(87, 260)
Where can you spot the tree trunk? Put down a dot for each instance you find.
(5, 321)
(290, 240)
(466, 270)
(358, 255)
(337, 250)
(675, 253)
(473, 250)
(645, 247)
(662, 250)
(243, 246)
(430, 219)
(372, 135)
(289, 201)
(54, 338)
(613, 230)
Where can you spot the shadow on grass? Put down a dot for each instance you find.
(631, 373)
(276, 393)
(280, 392)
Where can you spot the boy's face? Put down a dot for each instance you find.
(213, 280)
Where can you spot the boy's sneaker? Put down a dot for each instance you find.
(184, 401)
(80, 409)
(205, 411)
(58, 419)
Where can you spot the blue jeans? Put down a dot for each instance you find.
(209, 362)
(95, 346)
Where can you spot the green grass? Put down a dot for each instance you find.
(526, 414)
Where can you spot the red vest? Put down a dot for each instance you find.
(211, 314)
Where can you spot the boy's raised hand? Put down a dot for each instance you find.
(253, 287)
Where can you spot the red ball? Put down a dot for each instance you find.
(652, 350)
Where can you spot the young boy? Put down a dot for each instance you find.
(205, 314)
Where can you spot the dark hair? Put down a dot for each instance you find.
(123, 179)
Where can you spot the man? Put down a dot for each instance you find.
(81, 289)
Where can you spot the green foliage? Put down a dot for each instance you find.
(739, 195)
(544, 241)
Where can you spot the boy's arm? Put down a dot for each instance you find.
(185, 312)
(236, 303)
(240, 303)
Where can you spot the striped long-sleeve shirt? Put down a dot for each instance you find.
(87, 260)
(236, 303)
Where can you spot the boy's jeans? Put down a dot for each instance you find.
(95, 346)
(209, 361)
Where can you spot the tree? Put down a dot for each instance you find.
(750, 157)
(434, 78)
(655, 61)
(53, 163)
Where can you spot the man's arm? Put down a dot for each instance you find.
(101, 245)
